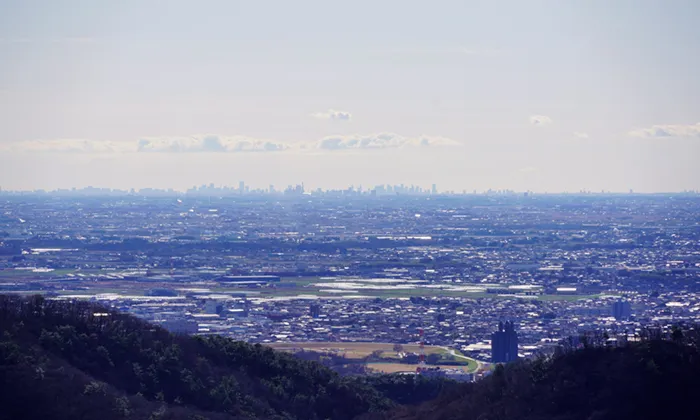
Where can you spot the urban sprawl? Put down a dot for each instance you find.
(393, 266)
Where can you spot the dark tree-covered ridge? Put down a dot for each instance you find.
(120, 355)
(79, 360)
(657, 378)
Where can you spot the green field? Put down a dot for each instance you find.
(288, 287)
(403, 367)
(359, 351)
(356, 350)
(305, 286)
(28, 274)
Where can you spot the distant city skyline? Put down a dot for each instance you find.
(301, 188)
(542, 96)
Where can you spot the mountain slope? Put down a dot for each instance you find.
(79, 360)
(649, 380)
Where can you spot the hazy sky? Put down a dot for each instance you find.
(526, 95)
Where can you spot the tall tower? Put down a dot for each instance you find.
(314, 310)
(504, 343)
(621, 310)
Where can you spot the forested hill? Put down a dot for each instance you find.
(78, 360)
(655, 379)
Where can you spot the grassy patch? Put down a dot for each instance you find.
(404, 367)
(304, 285)
(358, 351)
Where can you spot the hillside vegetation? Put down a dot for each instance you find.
(655, 379)
(78, 360)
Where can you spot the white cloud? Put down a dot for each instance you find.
(208, 143)
(74, 40)
(202, 143)
(540, 120)
(669, 130)
(380, 141)
(224, 144)
(70, 146)
(63, 40)
(15, 40)
(333, 114)
(528, 169)
(580, 135)
(456, 50)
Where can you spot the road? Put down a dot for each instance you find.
(452, 352)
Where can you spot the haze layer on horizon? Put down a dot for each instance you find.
(469, 95)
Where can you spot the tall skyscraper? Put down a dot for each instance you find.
(621, 310)
(504, 343)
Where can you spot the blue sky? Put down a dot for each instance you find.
(524, 95)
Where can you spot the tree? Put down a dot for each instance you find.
(152, 368)
(676, 334)
(376, 355)
(122, 406)
(432, 359)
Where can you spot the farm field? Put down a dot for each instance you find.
(317, 286)
(91, 281)
(359, 351)
(403, 367)
(356, 350)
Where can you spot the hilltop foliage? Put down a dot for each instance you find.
(78, 360)
(73, 360)
(653, 379)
